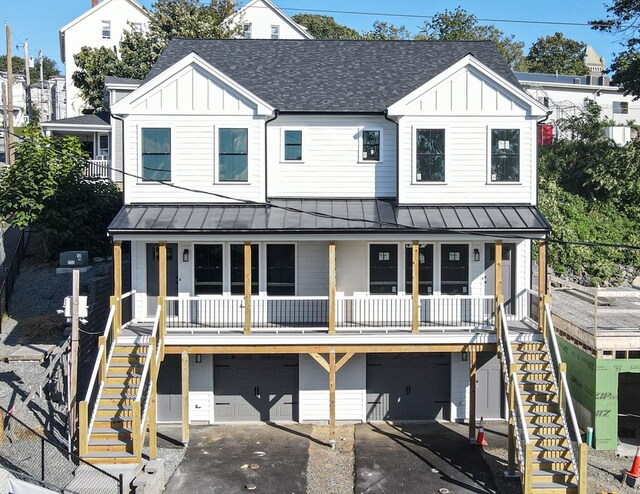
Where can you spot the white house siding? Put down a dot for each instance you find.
(352, 271)
(350, 390)
(261, 17)
(201, 389)
(459, 388)
(115, 153)
(313, 268)
(331, 159)
(88, 32)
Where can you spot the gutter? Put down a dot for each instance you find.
(276, 113)
(386, 117)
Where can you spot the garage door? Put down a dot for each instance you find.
(408, 387)
(256, 388)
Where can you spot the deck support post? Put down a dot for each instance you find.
(415, 287)
(117, 284)
(542, 283)
(332, 287)
(185, 398)
(498, 268)
(162, 292)
(511, 463)
(247, 288)
(472, 395)
(332, 398)
(153, 426)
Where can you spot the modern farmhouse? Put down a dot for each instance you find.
(324, 231)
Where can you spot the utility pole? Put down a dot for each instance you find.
(73, 372)
(9, 150)
(44, 114)
(5, 120)
(27, 77)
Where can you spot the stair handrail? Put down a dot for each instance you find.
(147, 362)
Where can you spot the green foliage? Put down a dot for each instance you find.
(385, 31)
(555, 53)
(49, 67)
(93, 65)
(325, 27)
(460, 25)
(46, 188)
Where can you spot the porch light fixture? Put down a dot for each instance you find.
(198, 355)
(476, 254)
(185, 255)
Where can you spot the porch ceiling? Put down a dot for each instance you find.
(328, 216)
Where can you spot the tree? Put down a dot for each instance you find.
(385, 31)
(325, 27)
(139, 51)
(47, 189)
(555, 53)
(49, 67)
(459, 25)
(623, 18)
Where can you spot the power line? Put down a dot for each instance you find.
(344, 218)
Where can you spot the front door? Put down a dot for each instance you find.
(488, 386)
(153, 266)
(508, 274)
(454, 271)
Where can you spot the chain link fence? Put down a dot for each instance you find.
(29, 456)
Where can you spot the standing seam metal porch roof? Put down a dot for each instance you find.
(316, 216)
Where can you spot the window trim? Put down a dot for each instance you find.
(140, 179)
(216, 155)
(490, 128)
(361, 145)
(265, 272)
(623, 105)
(283, 131)
(277, 26)
(105, 23)
(399, 281)
(246, 25)
(414, 153)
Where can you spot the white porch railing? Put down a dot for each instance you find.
(98, 168)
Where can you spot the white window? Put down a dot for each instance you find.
(505, 155)
(430, 155)
(233, 155)
(106, 29)
(137, 27)
(275, 32)
(292, 145)
(621, 107)
(371, 145)
(246, 30)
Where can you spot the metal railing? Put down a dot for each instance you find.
(33, 458)
(11, 272)
(98, 168)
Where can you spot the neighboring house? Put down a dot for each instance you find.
(20, 115)
(49, 97)
(101, 26)
(313, 240)
(261, 19)
(594, 62)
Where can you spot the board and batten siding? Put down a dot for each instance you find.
(350, 390)
(331, 163)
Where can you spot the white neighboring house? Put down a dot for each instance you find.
(20, 117)
(101, 26)
(261, 19)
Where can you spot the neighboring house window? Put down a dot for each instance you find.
(425, 269)
(281, 269)
(208, 269)
(505, 155)
(621, 107)
(370, 145)
(275, 32)
(103, 147)
(106, 29)
(137, 27)
(156, 154)
(383, 268)
(293, 145)
(233, 155)
(246, 30)
(237, 269)
(430, 158)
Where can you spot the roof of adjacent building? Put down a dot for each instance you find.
(344, 216)
(332, 75)
(92, 119)
(110, 79)
(557, 78)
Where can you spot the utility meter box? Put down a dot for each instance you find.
(74, 258)
(83, 308)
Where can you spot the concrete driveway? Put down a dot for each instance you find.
(223, 459)
(420, 458)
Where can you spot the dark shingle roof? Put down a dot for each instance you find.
(309, 216)
(110, 79)
(332, 75)
(101, 118)
(560, 78)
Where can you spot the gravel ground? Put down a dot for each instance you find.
(331, 471)
(171, 457)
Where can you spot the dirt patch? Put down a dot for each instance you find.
(43, 328)
(331, 471)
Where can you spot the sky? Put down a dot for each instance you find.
(38, 21)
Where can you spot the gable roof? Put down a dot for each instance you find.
(98, 7)
(300, 29)
(346, 76)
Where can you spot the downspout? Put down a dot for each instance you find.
(386, 116)
(276, 112)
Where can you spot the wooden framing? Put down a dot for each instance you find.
(153, 422)
(318, 349)
(185, 398)
(415, 286)
(542, 282)
(136, 436)
(247, 287)
(498, 268)
(162, 291)
(83, 426)
(511, 445)
(117, 283)
(332, 287)
(473, 370)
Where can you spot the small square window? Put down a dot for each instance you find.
(430, 159)
(621, 107)
(137, 27)
(275, 32)
(106, 29)
(293, 145)
(505, 155)
(370, 145)
(246, 30)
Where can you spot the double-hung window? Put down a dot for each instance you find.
(425, 269)
(156, 154)
(237, 269)
(281, 269)
(275, 31)
(370, 145)
(208, 269)
(621, 107)
(293, 145)
(430, 155)
(106, 29)
(233, 155)
(246, 30)
(505, 155)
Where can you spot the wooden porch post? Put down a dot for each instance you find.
(117, 283)
(415, 287)
(332, 287)
(472, 395)
(247, 287)
(498, 268)
(542, 282)
(332, 398)
(153, 426)
(162, 291)
(185, 398)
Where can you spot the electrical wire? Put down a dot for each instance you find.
(350, 219)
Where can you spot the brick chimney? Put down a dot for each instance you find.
(94, 3)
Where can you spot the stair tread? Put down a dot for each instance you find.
(109, 454)
(126, 364)
(101, 418)
(551, 448)
(538, 362)
(110, 408)
(536, 381)
(551, 459)
(123, 374)
(547, 437)
(541, 414)
(109, 442)
(554, 485)
(111, 430)
(553, 471)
